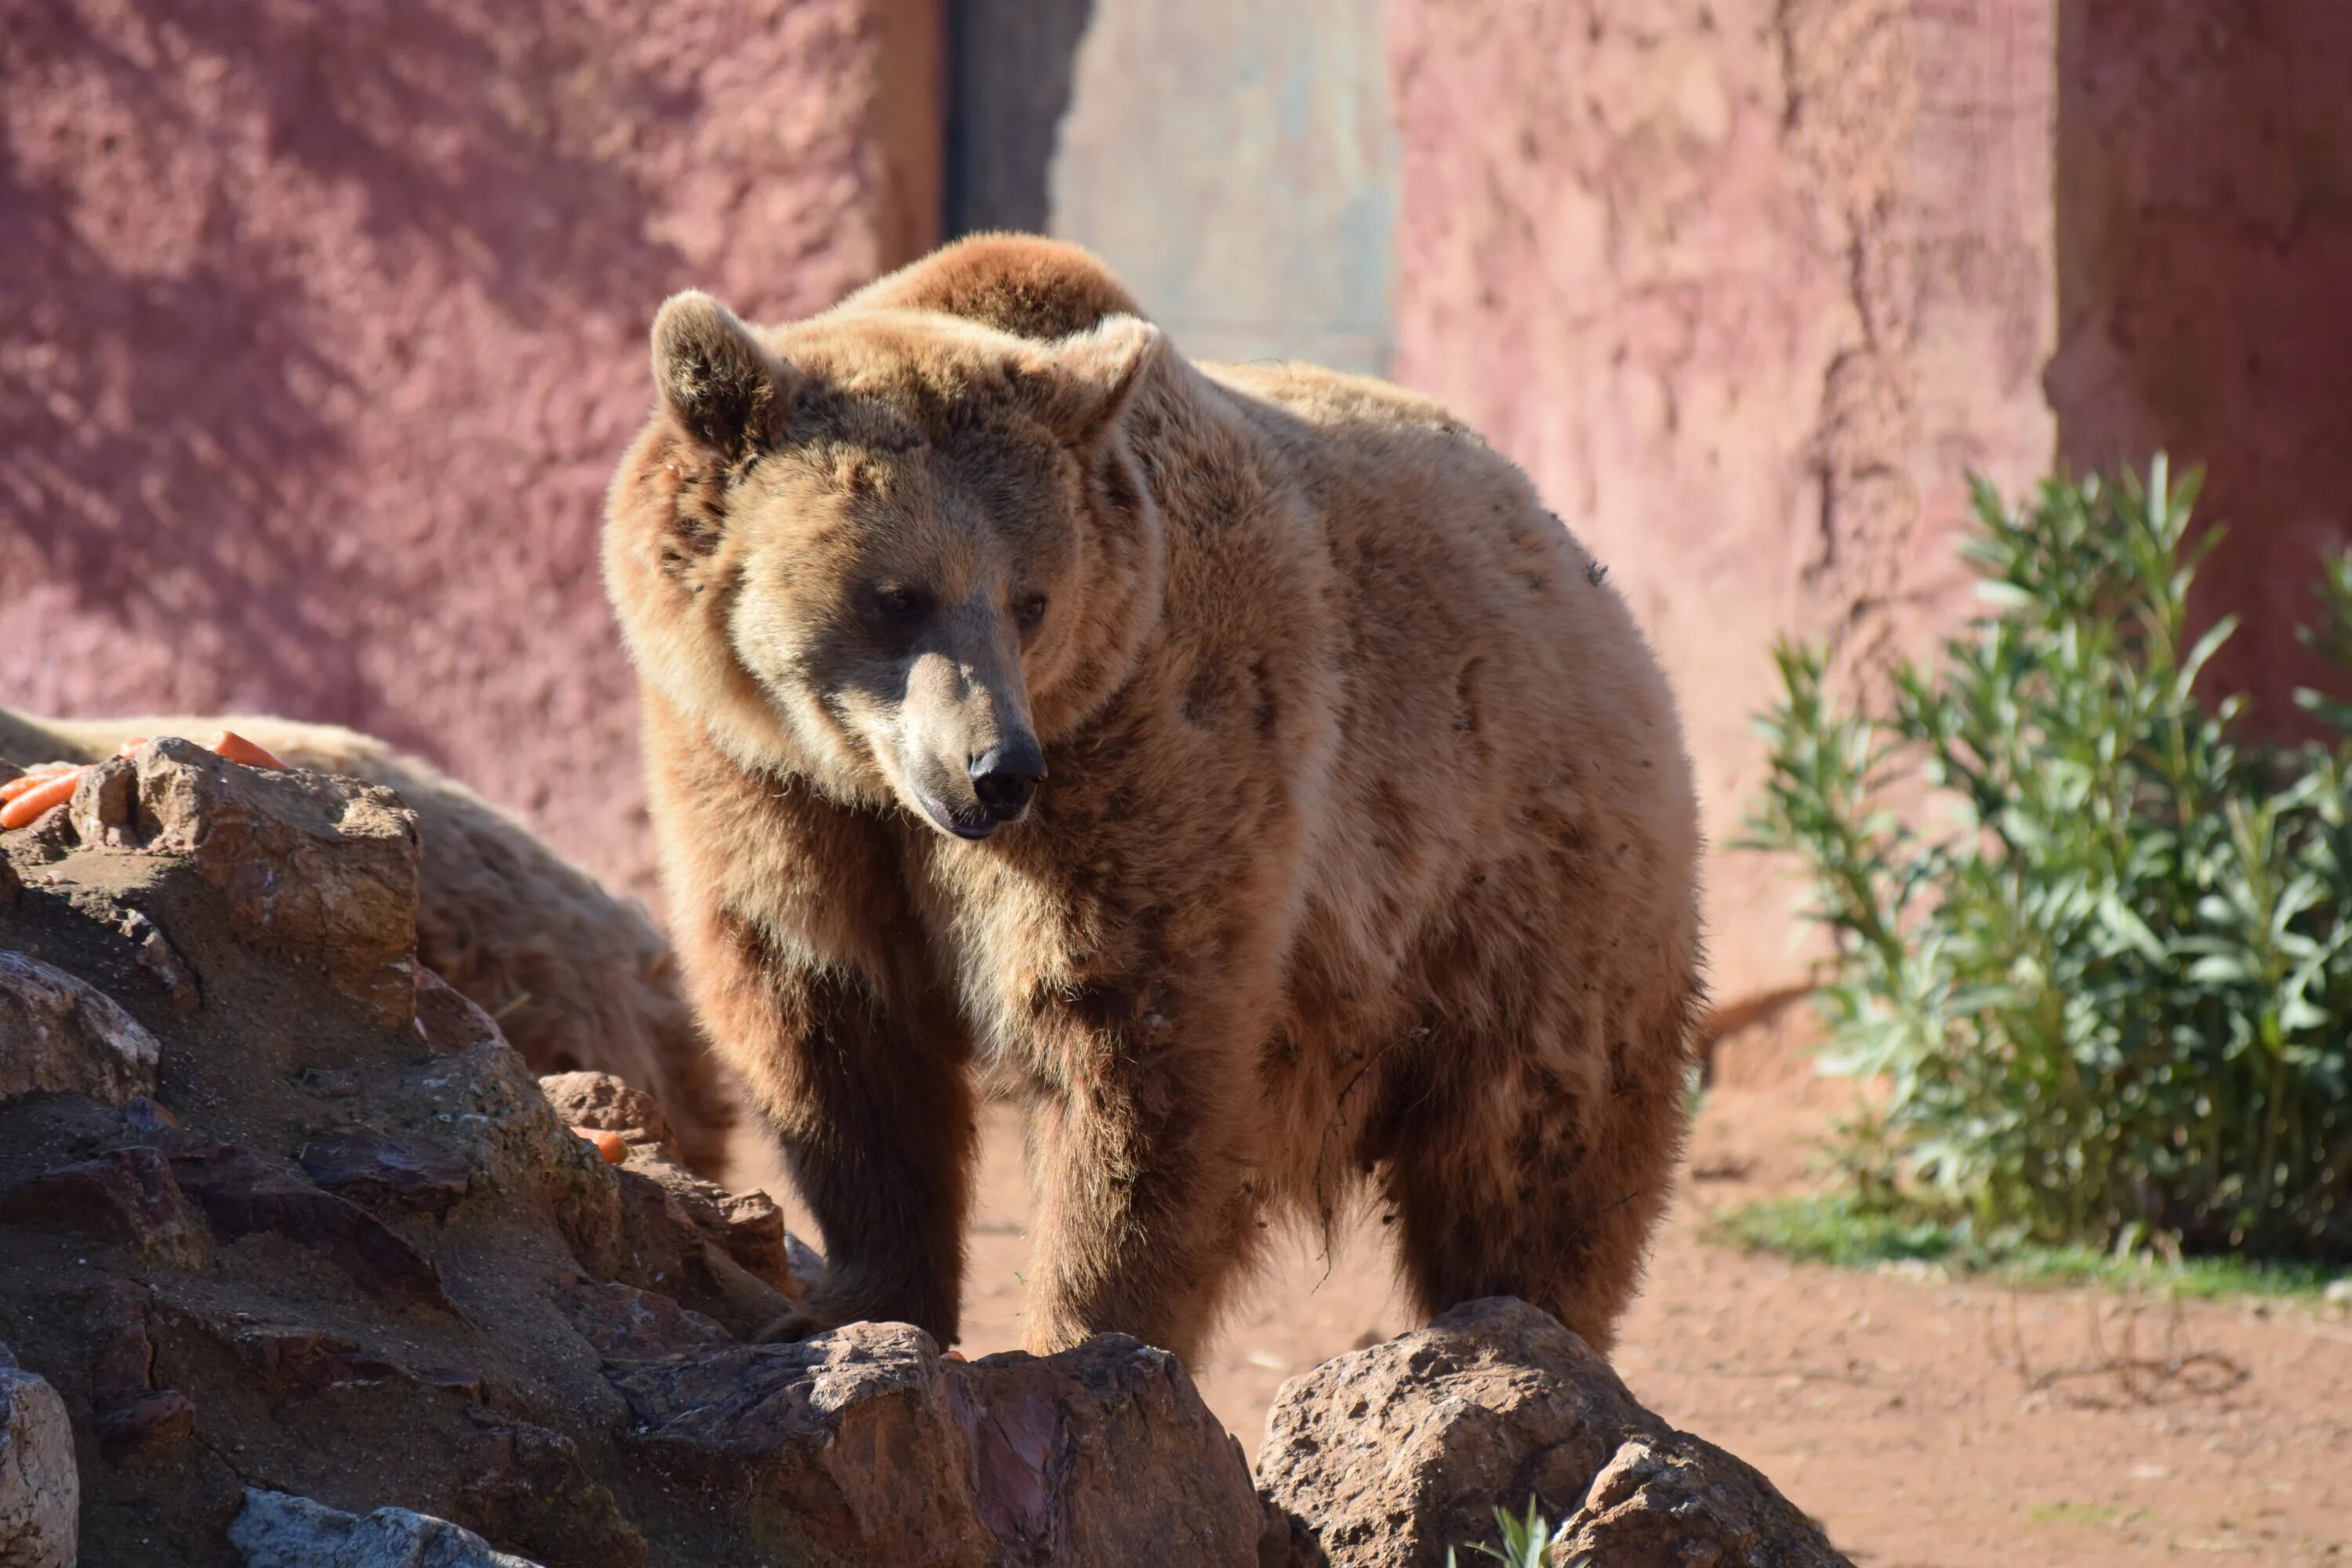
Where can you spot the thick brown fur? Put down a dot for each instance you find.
(578, 978)
(1365, 860)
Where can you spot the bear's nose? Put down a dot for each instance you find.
(1005, 777)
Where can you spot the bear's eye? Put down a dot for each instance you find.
(902, 606)
(1030, 610)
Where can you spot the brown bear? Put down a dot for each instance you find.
(1237, 764)
(578, 978)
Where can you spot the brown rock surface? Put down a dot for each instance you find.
(1385, 1457)
(1102, 1453)
(127, 1196)
(59, 1035)
(601, 1099)
(574, 975)
(40, 1490)
(322, 869)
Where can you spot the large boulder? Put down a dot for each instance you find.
(276, 1531)
(1388, 1456)
(40, 1489)
(865, 1446)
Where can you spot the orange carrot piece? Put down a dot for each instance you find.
(32, 777)
(608, 1145)
(237, 749)
(130, 748)
(41, 797)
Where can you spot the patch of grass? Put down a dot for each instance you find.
(1845, 1232)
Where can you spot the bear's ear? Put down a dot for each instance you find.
(1080, 386)
(728, 393)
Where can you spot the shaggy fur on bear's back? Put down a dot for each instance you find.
(1363, 855)
(578, 978)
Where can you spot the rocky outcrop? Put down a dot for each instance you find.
(40, 1490)
(1387, 1457)
(575, 976)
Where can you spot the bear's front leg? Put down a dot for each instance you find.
(871, 1099)
(1146, 1206)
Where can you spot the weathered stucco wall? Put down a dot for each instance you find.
(2205, 299)
(323, 326)
(1748, 286)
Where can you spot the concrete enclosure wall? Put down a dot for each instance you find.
(2204, 211)
(1747, 286)
(323, 324)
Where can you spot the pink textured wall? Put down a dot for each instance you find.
(1746, 285)
(2205, 217)
(321, 326)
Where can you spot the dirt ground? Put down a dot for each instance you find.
(1928, 1423)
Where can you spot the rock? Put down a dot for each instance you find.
(748, 1228)
(146, 1425)
(662, 1248)
(105, 803)
(627, 1324)
(321, 870)
(1047, 1432)
(846, 1449)
(600, 1100)
(40, 1489)
(448, 1021)
(385, 1173)
(59, 1033)
(1386, 1457)
(156, 955)
(862, 1445)
(11, 884)
(128, 1197)
(240, 1194)
(276, 1531)
(514, 1146)
(293, 1362)
(526, 1489)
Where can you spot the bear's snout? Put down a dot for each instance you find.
(1005, 777)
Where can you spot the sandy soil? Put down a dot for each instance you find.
(1930, 1423)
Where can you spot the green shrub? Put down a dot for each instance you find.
(2100, 963)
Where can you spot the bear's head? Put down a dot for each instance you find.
(895, 552)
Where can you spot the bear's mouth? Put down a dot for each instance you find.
(973, 826)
